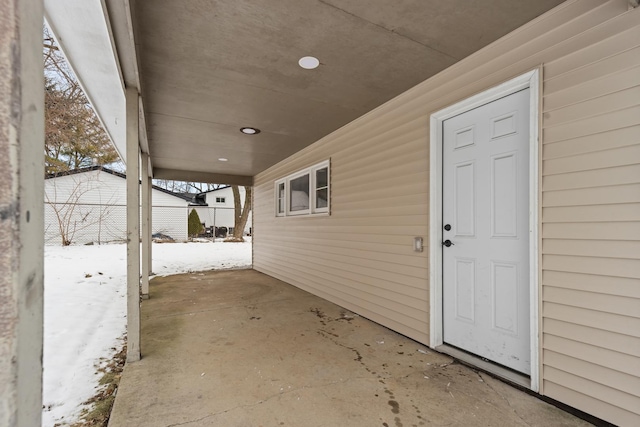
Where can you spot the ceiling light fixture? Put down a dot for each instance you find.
(249, 131)
(309, 62)
(222, 159)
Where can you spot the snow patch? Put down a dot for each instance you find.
(85, 311)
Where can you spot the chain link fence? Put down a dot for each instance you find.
(86, 223)
(218, 221)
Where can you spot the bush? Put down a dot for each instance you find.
(194, 224)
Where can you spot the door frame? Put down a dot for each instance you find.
(529, 80)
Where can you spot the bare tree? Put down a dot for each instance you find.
(241, 213)
(74, 136)
(186, 187)
(71, 215)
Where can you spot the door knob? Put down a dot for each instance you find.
(447, 243)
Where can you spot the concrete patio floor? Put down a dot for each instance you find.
(239, 348)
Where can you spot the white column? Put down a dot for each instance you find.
(21, 212)
(146, 229)
(133, 227)
(150, 224)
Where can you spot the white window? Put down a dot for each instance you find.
(220, 199)
(305, 192)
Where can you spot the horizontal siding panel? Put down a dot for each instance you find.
(593, 107)
(406, 287)
(593, 265)
(603, 48)
(620, 175)
(284, 258)
(380, 146)
(395, 230)
(618, 61)
(370, 210)
(316, 248)
(622, 156)
(592, 248)
(328, 224)
(609, 377)
(388, 252)
(396, 294)
(627, 212)
(592, 27)
(596, 337)
(397, 163)
(592, 231)
(384, 201)
(620, 324)
(352, 186)
(416, 182)
(592, 354)
(615, 138)
(591, 89)
(593, 301)
(349, 237)
(330, 261)
(610, 395)
(602, 123)
(588, 282)
(588, 404)
(358, 289)
(628, 193)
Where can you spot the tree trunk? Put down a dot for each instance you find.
(241, 213)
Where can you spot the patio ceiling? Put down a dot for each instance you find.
(207, 68)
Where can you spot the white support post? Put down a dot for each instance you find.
(150, 253)
(21, 212)
(133, 227)
(146, 230)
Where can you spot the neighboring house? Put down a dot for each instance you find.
(216, 208)
(90, 203)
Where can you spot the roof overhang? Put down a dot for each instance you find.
(206, 69)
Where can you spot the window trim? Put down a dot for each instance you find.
(284, 197)
(313, 190)
(314, 186)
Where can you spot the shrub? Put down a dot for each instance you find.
(194, 224)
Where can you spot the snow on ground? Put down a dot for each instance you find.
(85, 311)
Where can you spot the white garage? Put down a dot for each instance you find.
(89, 206)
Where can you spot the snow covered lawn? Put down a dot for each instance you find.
(85, 311)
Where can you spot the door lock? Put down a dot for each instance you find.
(447, 227)
(447, 243)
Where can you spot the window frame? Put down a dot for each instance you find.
(288, 194)
(313, 209)
(284, 197)
(221, 199)
(314, 186)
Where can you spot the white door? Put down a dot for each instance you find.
(485, 214)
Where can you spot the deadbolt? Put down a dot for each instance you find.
(447, 227)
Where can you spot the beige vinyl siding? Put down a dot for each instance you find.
(361, 256)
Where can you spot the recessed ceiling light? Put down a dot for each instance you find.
(222, 159)
(249, 131)
(308, 62)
